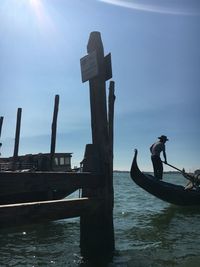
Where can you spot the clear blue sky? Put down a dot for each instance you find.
(156, 68)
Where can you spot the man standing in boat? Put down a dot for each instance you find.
(156, 149)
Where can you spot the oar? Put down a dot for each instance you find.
(188, 176)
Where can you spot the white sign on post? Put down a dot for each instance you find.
(89, 66)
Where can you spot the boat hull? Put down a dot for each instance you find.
(175, 194)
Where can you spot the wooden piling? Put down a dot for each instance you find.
(17, 137)
(1, 123)
(53, 130)
(111, 102)
(96, 228)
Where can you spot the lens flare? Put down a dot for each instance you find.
(175, 8)
(44, 20)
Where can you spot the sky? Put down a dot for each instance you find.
(155, 63)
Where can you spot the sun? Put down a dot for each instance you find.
(43, 18)
(35, 3)
(30, 13)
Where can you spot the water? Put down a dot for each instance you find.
(148, 232)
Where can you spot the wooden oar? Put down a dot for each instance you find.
(185, 174)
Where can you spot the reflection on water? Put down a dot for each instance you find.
(40, 245)
(148, 232)
(170, 238)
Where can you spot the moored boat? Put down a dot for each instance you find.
(33, 179)
(21, 187)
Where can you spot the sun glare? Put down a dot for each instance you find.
(43, 18)
(36, 4)
(34, 11)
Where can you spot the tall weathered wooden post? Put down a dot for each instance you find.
(17, 137)
(111, 101)
(97, 231)
(1, 123)
(53, 130)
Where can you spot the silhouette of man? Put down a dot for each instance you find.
(156, 149)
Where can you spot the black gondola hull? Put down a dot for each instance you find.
(175, 194)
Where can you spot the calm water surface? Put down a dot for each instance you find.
(148, 232)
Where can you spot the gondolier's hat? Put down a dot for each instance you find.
(163, 137)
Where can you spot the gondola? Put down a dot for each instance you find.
(175, 194)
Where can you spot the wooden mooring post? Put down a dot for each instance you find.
(53, 130)
(111, 101)
(96, 227)
(17, 137)
(1, 123)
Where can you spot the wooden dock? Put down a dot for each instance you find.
(45, 190)
(42, 211)
(16, 187)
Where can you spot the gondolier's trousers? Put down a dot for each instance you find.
(157, 166)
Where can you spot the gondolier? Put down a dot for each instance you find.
(156, 149)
